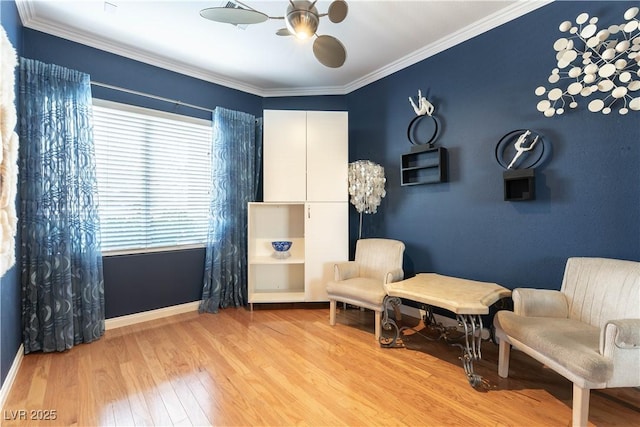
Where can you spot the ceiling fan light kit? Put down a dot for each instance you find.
(301, 19)
(233, 16)
(301, 22)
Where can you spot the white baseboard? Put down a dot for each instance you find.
(116, 322)
(11, 376)
(145, 316)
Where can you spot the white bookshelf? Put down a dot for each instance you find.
(273, 279)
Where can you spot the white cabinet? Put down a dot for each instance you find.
(285, 156)
(306, 202)
(305, 156)
(327, 156)
(319, 232)
(326, 241)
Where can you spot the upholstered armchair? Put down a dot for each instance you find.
(588, 332)
(361, 282)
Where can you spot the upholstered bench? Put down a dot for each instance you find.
(467, 299)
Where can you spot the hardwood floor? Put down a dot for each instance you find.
(288, 367)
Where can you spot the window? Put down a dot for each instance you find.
(154, 173)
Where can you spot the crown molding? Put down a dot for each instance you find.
(479, 27)
(503, 16)
(25, 10)
(520, 8)
(30, 20)
(306, 91)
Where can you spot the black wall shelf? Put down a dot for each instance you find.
(423, 165)
(519, 185)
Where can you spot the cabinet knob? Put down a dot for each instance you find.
(309, 212)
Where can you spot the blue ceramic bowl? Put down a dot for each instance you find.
(281, 245)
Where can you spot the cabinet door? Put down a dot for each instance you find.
(326, 242)
(285, 158)
(327, 156)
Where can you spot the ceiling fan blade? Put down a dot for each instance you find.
(338, 11)
(236, 16)
(283, 32)
(329, 51)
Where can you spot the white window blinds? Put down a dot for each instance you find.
(153, 172)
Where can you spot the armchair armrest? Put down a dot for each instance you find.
(345, 270)
(394, 276)
(623, 333)
(620, 343)
(539, 303)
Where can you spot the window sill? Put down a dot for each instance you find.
(120, 252)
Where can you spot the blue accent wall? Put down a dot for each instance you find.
(587, 192)
(118, 71)
(141, 282)
(10, 312)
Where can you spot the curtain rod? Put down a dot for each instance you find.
(147, 95)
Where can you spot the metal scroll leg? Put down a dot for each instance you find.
(473, 337)
(390, 303)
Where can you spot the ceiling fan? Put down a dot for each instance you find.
(301, 20)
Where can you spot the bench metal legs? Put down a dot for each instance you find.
(471, 323)
(389, 324)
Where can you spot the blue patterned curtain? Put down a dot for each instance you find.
(236, 158)
(62, 281)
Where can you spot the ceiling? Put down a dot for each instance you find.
(380, 37)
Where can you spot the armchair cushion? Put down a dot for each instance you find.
(571, 344)
(358, 289)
